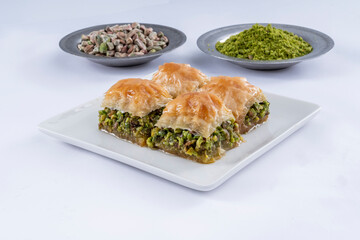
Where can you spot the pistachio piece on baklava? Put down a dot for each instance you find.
(131, 109)
(246, 101)
(179, 78)
(196, 126)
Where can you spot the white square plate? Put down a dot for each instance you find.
(79, 126)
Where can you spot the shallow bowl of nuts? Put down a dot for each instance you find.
(122, 44)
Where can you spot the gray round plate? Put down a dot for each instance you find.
(70, 41)
(320, 42)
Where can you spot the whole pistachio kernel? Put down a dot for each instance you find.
(199, 142)
(180, 140)
(103, 47)
(191, 152)
(149, 142)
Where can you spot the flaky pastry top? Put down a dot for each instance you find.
(179, 78)
(199, 112)
(236, 93)
(136, 96)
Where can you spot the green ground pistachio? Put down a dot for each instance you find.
(264, 43)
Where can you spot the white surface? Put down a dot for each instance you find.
(78, 126)
(305, 188)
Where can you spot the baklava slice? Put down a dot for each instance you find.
(131, 109)
(179, 78)
(197, 126)
(246, 101)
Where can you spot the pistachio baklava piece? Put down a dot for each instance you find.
(246, 101)
(131, 108)
(179, 78)
(196, 126)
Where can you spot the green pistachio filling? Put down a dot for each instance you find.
(264, 43)
(256, 113)
(143, 131)
(125, 123)
(186, 143)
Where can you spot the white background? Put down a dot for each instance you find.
(307, 187)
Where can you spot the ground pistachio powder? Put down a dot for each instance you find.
(264, 43)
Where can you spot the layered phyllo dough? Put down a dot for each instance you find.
(182, 112)
(196, 126)
(131, 108)
(179, 78)
(246, 101)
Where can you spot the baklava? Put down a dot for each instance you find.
(196, 126)
(179, 78)
(246, 101)
(131, 109)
